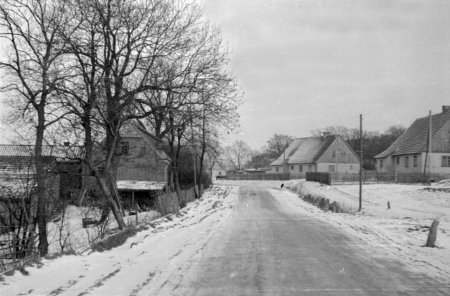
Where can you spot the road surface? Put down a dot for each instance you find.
(269, 249)
(250, 244)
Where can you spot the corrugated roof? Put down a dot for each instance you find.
(72, 152)
(305, 150)
(414, 139)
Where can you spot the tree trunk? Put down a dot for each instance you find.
(40, 180)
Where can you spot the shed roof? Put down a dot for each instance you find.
(305, 150)
(139, 185)
(415, 138)
(72, 152)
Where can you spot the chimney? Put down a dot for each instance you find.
(445, 108)
(67, 144)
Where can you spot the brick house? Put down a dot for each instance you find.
(329, 153)
(408, 153)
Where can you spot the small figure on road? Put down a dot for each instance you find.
(282, 185)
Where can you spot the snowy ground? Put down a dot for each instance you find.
(162, 251)
(156, 252)
(399, 233)
(66, 233)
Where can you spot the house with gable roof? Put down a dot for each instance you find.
(408, 154)
(143, 167)
(329, 153)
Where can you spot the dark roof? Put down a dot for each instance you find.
(305, 150)
(415, 138)
(72, 152)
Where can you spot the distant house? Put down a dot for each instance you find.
(143, 165)
(217, 170)
(408, 153)
(329, 153)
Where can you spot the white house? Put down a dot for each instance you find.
(329, 153)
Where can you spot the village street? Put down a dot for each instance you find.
(236, 241)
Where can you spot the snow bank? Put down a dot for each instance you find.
(159, 253)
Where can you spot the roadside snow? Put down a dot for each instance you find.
(66, 232)
(147, 261)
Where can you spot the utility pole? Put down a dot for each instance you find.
(427, 155)
(360, 161)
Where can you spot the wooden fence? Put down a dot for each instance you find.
(368, 177)
(262, 176)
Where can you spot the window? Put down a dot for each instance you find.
(292, 167)
(381, 163)
(300, 168)
(398, 159)
(331, 168)
(220, 173)
(446, 161)
(415, 161)
(334, 153)
(101, 170)
(125, 147)
(277, 169)
(406, 161)
(309, 167)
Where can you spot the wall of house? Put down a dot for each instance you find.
(215, 173)
(385, 165)
(391, 164)
(295, 168)
(141, 163)
(274, 169)
(350, 168)
(339, 152)
(436, 163)
(441, 140)
(406, 163)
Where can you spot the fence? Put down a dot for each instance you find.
(368, 177)
(262, 176)
(323, 178)
(16, 247)
(373, 177)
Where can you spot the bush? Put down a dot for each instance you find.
(114, 240)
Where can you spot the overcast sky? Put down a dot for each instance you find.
(307, 64)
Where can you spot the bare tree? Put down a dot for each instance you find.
(33, 65)
(278, 143)
(238, 154)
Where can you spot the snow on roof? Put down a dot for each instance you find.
(415, 138)
(140, 185)
(47, 150)
(305, 150)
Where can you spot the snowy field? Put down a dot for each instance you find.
(399, 233)
(156, 250)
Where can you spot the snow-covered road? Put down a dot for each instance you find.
(259, 242)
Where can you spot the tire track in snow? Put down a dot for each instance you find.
(143, 284)
(100, 282)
